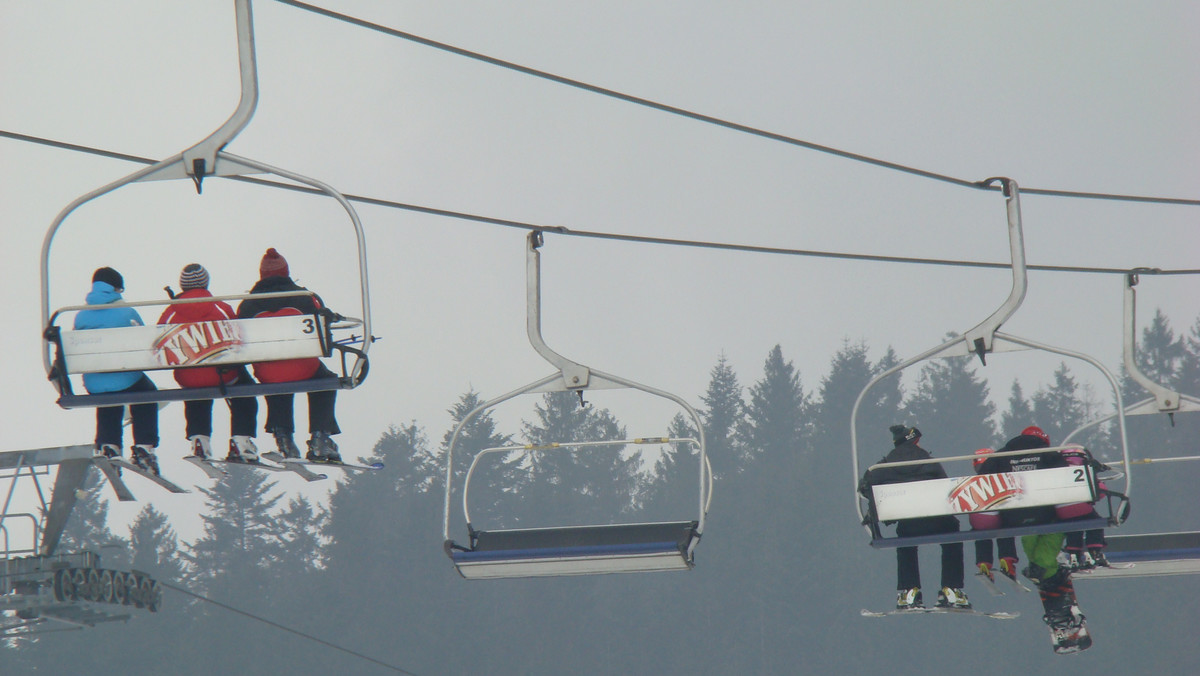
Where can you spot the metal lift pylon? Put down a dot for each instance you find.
(42, 590)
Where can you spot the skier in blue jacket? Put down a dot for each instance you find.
(107, 285)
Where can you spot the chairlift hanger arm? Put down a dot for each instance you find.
(201, 159)
(1166, 400)
(574, 375)
(979, 339)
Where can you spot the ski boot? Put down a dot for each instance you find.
(286, 446)
(985, 569)
(110, 451)
(143, 457)
(242, 449)
(909, 599)
(1077, 561)
(322, 449)
(1096, 557)
(1008, 567)
(201, 446)
(950, 597)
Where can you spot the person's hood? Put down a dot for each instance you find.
(274, 283)
(195, 293)
(102, 293)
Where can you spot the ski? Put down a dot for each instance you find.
(989, 581)
(114, 478)
(1021, 586)
(278, 457)
(216, 469)
(298, 468)
(941, 611)
(207, 467)
(1100, 569)
(125, 464)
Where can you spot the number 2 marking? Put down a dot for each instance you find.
(1079, 476)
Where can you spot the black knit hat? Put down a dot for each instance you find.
(109, 276)
(194, 276)
(903, 433)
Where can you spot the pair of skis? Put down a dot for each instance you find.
(218, 469)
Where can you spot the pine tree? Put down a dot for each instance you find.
(239, 546)
(301, 533)
(723, 414)
(87, 527)
(671, 489)
(1059, 408)
(849, 373)
(950, 406)
(589, 484)
(1019, 414)
(478, 434)
(154, 545)
(777, 423)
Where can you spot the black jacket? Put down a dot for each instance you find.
(1023, 463)
(252, 307)
(906, 451)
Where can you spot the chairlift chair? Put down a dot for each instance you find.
(67, 352)
(1153, 554)
(571, 550)
(929, 498)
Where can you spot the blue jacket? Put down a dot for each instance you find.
(106, 318)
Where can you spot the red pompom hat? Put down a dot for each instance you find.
(272, 265)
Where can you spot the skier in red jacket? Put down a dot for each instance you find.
(193, 280)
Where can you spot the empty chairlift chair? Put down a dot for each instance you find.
(572, 550)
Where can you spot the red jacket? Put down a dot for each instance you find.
(184, 313)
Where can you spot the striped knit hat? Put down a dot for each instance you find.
(194, 276)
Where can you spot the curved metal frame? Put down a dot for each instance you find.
(208, 159)
(572, 377)
(986, 337)
(1162, 399)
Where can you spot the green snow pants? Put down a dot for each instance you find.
(1042, 550)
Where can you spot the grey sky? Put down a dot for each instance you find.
(1086, 96)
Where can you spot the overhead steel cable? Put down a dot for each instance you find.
(641, 239)
(708, 119)
(281, 627)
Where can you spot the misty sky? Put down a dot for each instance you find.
(1079, 96)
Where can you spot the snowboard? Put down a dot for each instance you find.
(1070, 639)
(940, 611)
